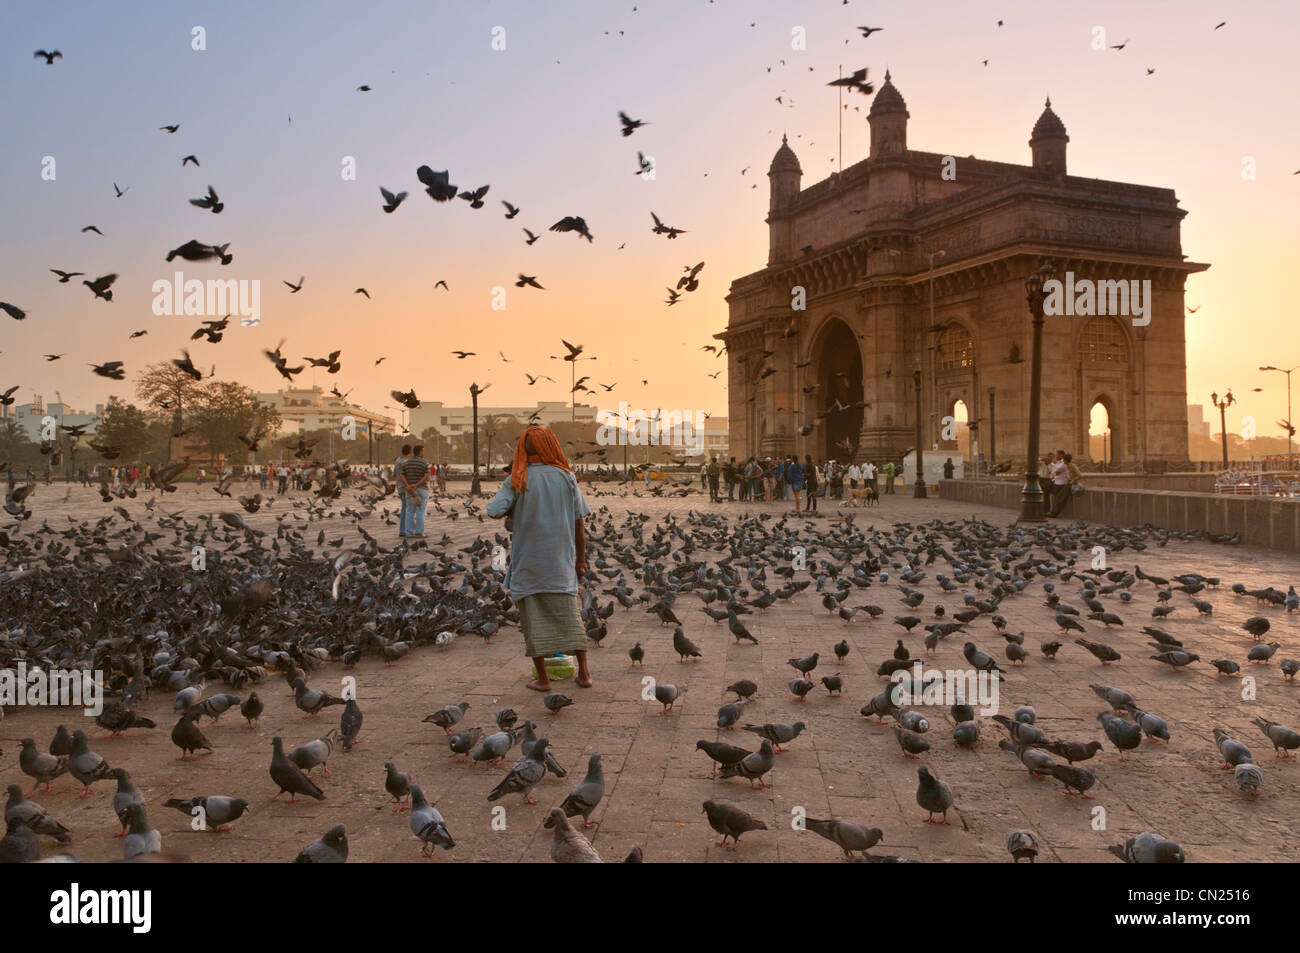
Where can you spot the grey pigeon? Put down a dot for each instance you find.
(730, 821)
(730, 713)
(586, 796)
(667, 696)
(289, 776)
(913, 745)
(1249, 777)
(141, 839)
(1124, 735)
(933, 795)
(753, 766)
(1022, 733)
(1114, 697)
(966, 733)
(555, 702)
(332, 848)
(1038, 762)
(448, 716)
(1284, 739)
(125, 795)
(523, 777)
(530, 742)
(86, 766)
(721, 753)
(217, 809)
(848, 837)
(316, 752)
(1231, 750)
(1148, 848)
(494, 747)
(1022, 844)
(37, 819)
(777, 732)
(43, 767)
(427, 824)
(19, 845)
(1153, 726)
(1074, 779)
(350, 724)
(398, 785)
(462, 743)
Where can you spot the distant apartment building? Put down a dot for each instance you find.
(304, 409)
(449, 420)
(1197, 425)
(715, 437)
(30, 417)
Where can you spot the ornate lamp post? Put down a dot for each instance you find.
(919, 490)
(1032, 509)
(1223, 404)
(993, 432)
(1290, 421)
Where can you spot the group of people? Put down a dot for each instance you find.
(788, 478)
(1058, 477)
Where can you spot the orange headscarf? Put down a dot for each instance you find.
(548, 451)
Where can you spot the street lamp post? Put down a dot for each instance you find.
(919, 487)
(474, 486)
(1032, 509)
(993, 432)
(1290, 422)
(1223, 404)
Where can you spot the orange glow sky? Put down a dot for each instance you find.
(545, 136)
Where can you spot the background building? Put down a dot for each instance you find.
(873, 246)
(304, 409)
(449, 420)
(30, 416)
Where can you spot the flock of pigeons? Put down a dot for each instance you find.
(118, 594)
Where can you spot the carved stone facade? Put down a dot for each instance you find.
(915, 260)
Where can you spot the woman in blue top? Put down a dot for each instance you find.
(794, 479)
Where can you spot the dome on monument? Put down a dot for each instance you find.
(1049, 125)
(888, 99)
(785, 160)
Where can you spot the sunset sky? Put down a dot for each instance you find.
(538, 122)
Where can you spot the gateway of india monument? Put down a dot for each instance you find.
(912, 267)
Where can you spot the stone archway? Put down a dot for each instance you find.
(837, 363)
(1103, 431)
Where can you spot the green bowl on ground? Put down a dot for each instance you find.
(559, 667)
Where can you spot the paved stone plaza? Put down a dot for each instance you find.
(843, 766)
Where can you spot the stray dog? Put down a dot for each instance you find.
(866, 494)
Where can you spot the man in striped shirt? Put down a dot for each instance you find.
(414, 478)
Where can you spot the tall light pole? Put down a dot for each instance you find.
(993, 423)
(474, 486)
(1032, 509)
(1223, 404)
(918, 491)
(1290, 421)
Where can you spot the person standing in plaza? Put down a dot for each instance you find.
(949, 469)
(889, 476)
(415, 486)
(869, 476)
(714, 475)
(854, 475)
(795, 480)
(548, 551)
(810, 481)
(1059, 472)
(282, 478)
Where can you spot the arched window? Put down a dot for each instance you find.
(1103, 342)
(955, 350)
